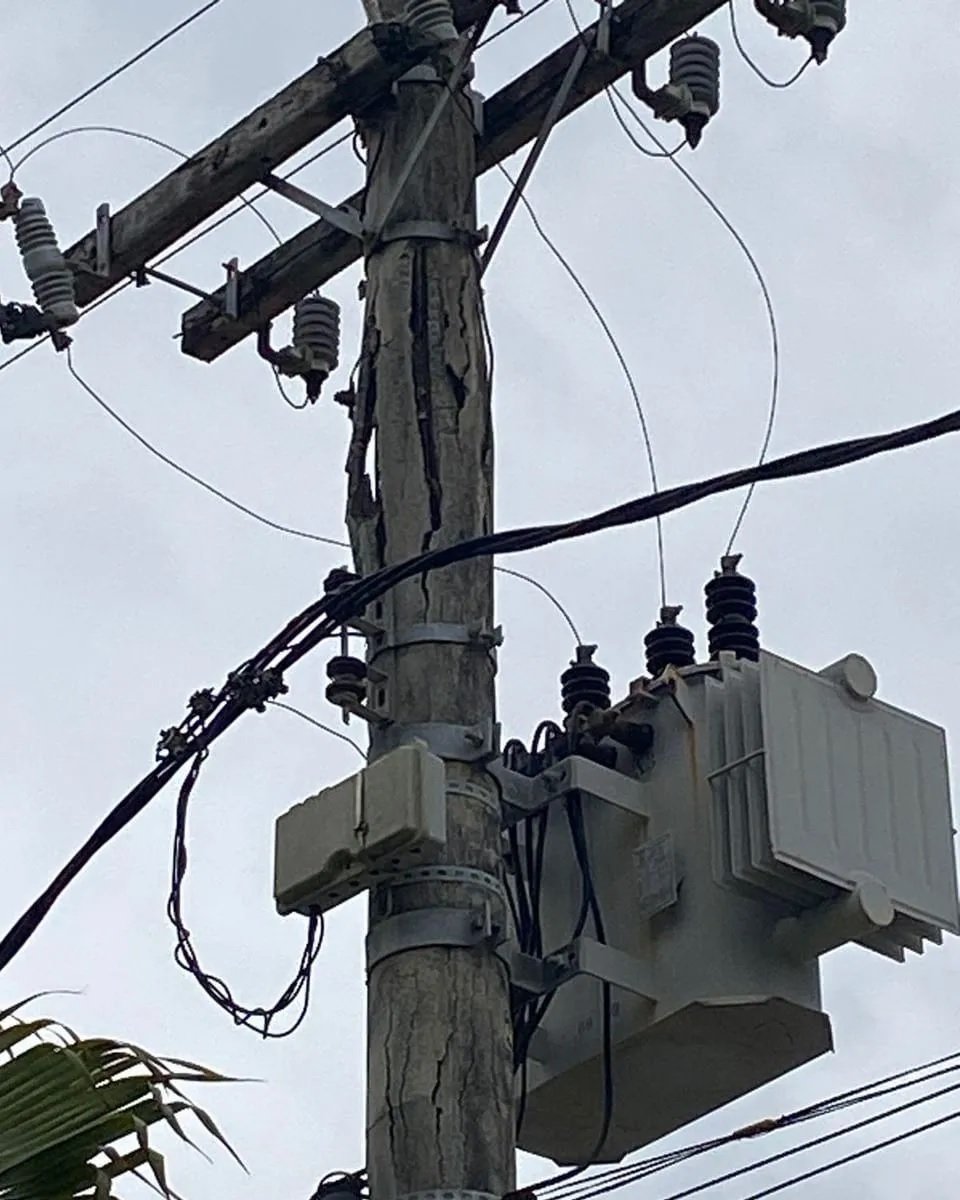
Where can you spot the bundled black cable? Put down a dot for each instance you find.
(185, 956)
(249, 686)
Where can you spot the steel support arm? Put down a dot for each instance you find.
(512, 118)
(343, 83)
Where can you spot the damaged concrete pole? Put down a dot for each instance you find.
(440, 1112)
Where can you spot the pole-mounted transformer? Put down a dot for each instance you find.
(819, 21)
(692, 95)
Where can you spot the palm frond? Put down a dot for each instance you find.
(76, 1114)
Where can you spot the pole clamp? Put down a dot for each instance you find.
(440, 632)
(452, 743)
(465, 876)
(455, 927)
(448, 1194)
(432, 231)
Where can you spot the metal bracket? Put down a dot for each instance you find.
(448, 1194)
(103, 238)
(231, 293)
(423, 73)
(583, 956)
(346, 219)
(467, 876)
(453, 743)
(441, 632)
(463, 927)
(603, 27)
(434, 231)
(523, 797)
(471, 791)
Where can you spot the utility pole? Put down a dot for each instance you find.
(440, 1110)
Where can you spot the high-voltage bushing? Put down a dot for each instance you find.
(732, 612)
(692, 96)
(819, 21)
(44, 264)
(584, 685)
(348, 681)
(669, 644)
(316, 339)
(434, 18)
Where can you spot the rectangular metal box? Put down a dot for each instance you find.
(768, 792)
(385, 818)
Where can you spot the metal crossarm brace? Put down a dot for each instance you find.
(512, 118)
(344, 83)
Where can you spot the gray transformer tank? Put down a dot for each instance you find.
(780, 813)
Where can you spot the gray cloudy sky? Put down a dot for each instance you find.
(127, 588)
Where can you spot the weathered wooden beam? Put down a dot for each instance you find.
(512, 117)
(343, 83)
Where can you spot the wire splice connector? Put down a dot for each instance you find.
(43, 263)
(669, 644)
(732, 612)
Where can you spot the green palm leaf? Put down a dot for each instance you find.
(76, 1114)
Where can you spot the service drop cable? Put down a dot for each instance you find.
(120, 131)
(142, 54)
(175, 466)
(260, 678)
(184, 245)
(773, 83)
(604, 1182)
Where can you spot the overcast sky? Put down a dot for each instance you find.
(126, 588)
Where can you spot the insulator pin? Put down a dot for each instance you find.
(45, 266)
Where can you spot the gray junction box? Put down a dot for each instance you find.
(780, 814)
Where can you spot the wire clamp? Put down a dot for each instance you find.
(253, 689)
(172, 743)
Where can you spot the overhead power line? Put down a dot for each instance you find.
(773, 83)
(260, 677)
(117, 71)
(181, 470)
(184, 245)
